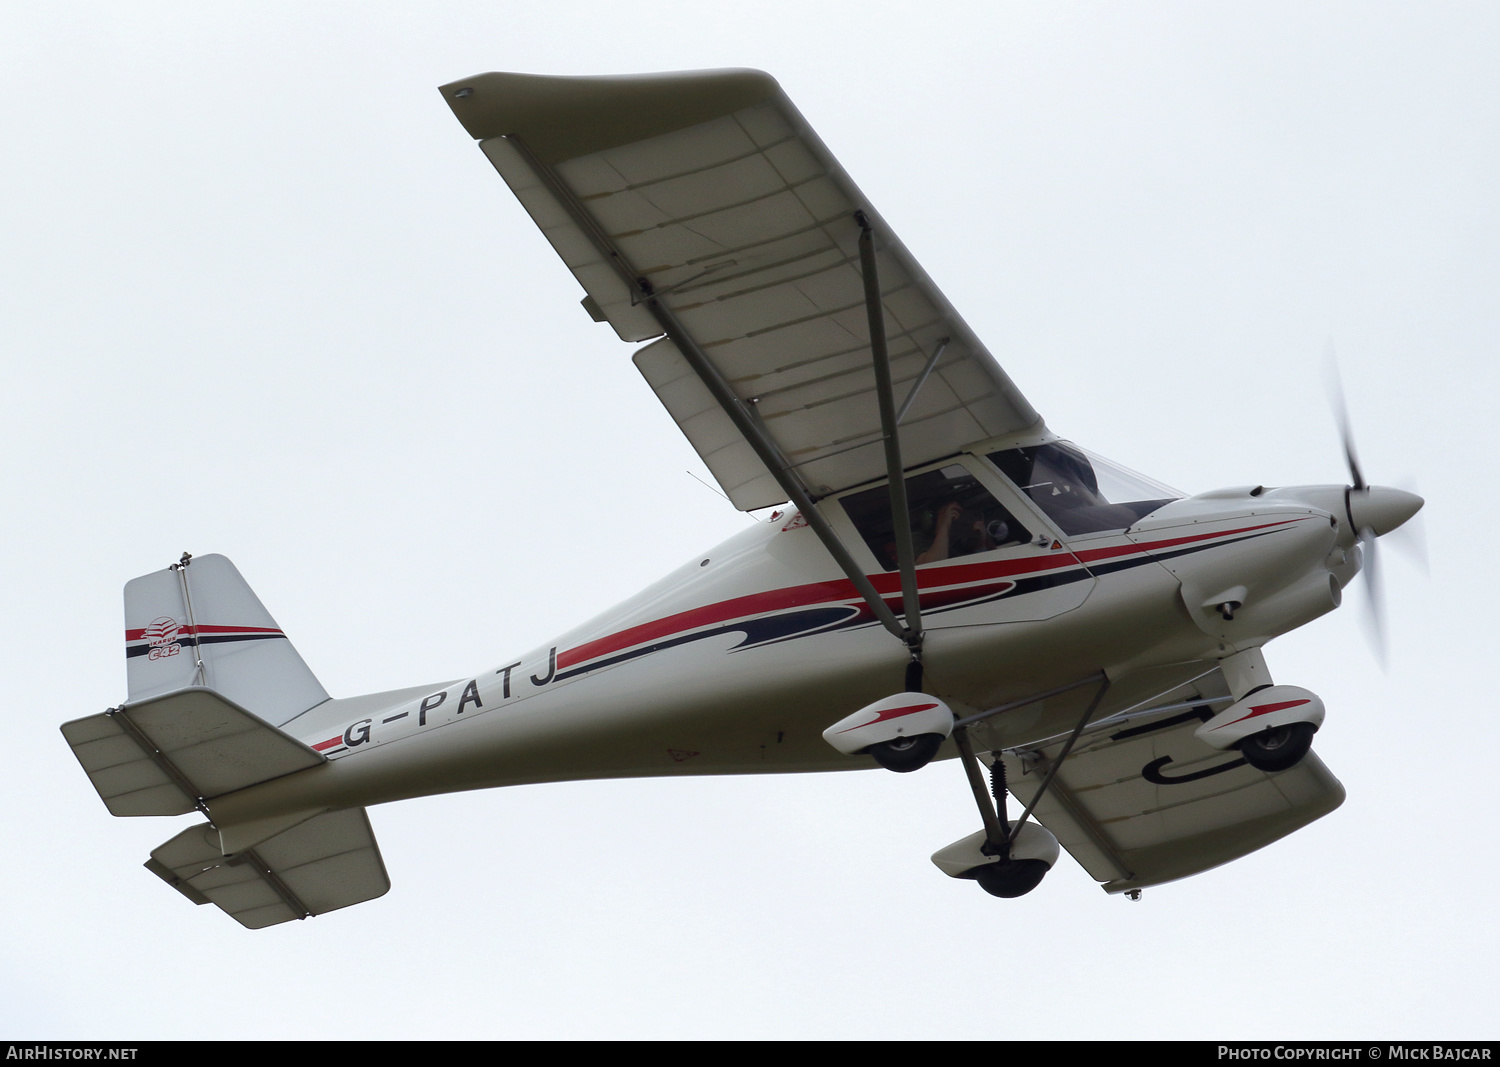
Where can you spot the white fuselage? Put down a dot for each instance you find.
(736, 662)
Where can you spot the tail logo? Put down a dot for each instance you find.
(161, 635)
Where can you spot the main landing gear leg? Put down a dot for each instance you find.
(1005, 875)
(908, 752)
(914, 672)
(1022, 853)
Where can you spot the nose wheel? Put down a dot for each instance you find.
(1010, 878)
(1278, 748)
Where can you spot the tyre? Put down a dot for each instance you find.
(906, 753)
(1278, 748)
(1010, 878)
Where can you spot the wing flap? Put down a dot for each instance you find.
(728, 456)
(1145, 802)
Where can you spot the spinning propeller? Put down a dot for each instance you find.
(1372, 511)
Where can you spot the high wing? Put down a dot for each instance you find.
(1140, 800)
(700, 208)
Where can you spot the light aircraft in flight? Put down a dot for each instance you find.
(945, 576)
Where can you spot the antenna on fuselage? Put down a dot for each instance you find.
(705, 485)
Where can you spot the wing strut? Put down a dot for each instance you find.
(911, 607)
(771, 456)
(937, 354)
(743, 418)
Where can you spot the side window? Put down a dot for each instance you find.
(951, 515)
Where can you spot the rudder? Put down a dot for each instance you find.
(198, 623)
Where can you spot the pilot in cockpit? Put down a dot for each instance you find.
(951, 515)
(957, 533)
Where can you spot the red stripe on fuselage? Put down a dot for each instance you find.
(797, 596)
(1096, 554)
(886, 584)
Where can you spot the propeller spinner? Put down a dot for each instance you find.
(1372, 510)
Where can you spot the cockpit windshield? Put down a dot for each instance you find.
(1081, 493)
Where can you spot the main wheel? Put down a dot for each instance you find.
(1278, 748)
(906, 753)
(1010, 878)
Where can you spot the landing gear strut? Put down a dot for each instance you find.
(1009, 859)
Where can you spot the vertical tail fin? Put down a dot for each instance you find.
(198, 623)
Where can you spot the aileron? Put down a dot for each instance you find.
(741, 226)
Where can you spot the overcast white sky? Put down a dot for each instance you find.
(262, 296)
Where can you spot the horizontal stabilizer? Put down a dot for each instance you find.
(328, 862)
(1143, 801)
(160, 756)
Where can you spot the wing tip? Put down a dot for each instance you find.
(560, 117)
